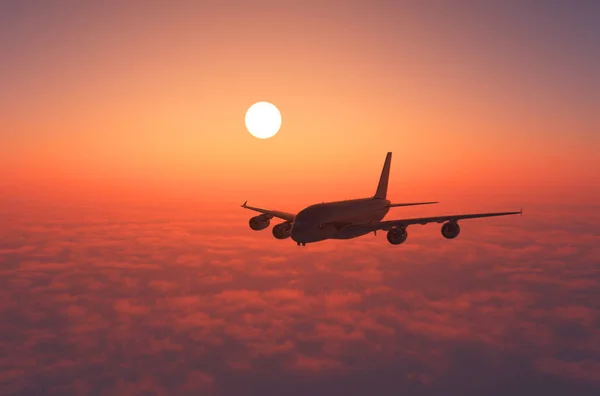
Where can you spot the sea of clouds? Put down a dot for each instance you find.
(163, 299)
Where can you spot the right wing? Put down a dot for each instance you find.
(271, 213)
(388, 225)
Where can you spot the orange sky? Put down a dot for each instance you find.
(153, 99)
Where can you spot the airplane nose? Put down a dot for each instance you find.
(298, 233)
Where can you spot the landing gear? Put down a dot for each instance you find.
(300, 243)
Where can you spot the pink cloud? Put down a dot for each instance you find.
(122, 302)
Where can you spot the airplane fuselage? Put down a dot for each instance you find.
(329, 220)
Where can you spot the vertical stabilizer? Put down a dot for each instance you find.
(383, 180)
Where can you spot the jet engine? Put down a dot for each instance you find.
(450, 230)
(397, 235)
(283, 230)
(258, 223)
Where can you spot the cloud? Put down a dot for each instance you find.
(125, 301)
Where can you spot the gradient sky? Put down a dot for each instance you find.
(126, 264)
(154, 96)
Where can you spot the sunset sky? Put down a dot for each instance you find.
(127, 265)
(113, 94)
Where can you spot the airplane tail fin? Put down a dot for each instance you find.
(381, 192)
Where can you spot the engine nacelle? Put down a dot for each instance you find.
(397, 236)
(283, 230)
(258, 223)
(450, 230)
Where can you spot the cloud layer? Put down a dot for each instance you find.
(122, 300)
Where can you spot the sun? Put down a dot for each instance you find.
(263, 120)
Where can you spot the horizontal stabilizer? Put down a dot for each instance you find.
(411, 204)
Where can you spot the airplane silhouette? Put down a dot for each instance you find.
(353, 218)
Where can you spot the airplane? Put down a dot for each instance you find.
(353, 218)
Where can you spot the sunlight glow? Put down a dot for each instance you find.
(263, 120)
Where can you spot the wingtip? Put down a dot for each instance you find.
(244, 204)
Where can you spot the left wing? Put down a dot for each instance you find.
(388, 225)
(271, 213)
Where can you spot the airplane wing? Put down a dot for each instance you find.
(388, 225)
(271, 213)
